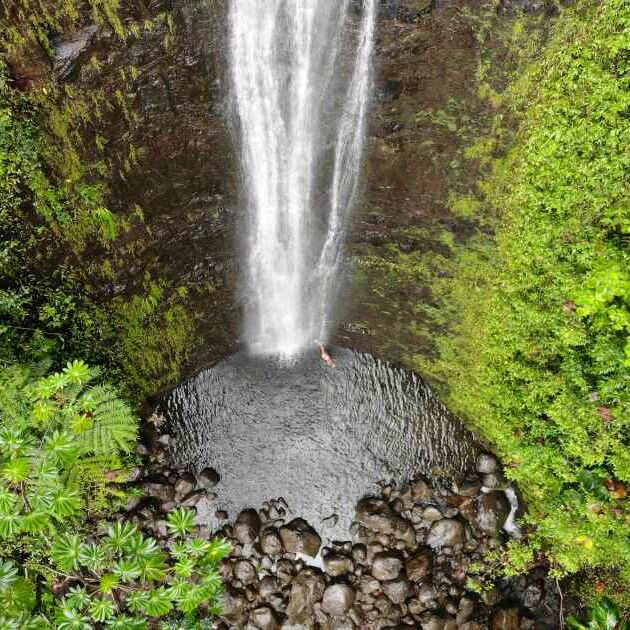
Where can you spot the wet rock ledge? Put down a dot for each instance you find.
(410, 561)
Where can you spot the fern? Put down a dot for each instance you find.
(114, 427)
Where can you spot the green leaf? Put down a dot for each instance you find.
(220, 548)
(35, 521)
(93, 556)
(158, 603)
(153, 567)
(10, 525)
(8, 574)
(16, 470)
(605, 614)
(66, 551)
(12, 442)
(127, 623)
(127, 570)
(65, 503)
(185, 567)
(67, 618)
(7, 500)
(77, 372)
(120, 534)
(181, 522)
(102, 609)
(108, 583)
(140, 548)
(77, 598)
(137, 600)
(62, 445)
(19, 597)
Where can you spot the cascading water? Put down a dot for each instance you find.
(301, 81)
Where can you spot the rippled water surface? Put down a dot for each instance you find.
(319, 437)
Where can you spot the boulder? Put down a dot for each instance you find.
(264, 618)
(192, 498)
(397, 590)
(386, 566)
(184, 485)
(426, 593)
(162, 491)
(419, 565)
(493, 509)
(268, 586)
(486, 463)
(446, 532)
(505, 619)
(208, 478)
(307, 589)
(337, 599)
(336, 564)
(376, 515)
(299, 537)
(245, 572)
(234, 604)
(247, 527)
(270, 542)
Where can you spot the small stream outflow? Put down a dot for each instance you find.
(301, 76)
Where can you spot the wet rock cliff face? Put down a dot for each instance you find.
(169, 151)
(423, 116)
(185, 178)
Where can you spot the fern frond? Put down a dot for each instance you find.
(114, 429)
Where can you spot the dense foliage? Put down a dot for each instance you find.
(604, 616)
(61, 245)
(539, 356)
(65, 442)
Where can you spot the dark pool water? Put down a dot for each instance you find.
(321, 438)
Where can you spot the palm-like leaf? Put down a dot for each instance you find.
(120, 534)
(93, 556)
(127, 623)
(70, 619)
(7, 501)
(127, 570)
(77, 598)
(102, 609)
(10, 525)
(181, 521)
(158, 603)
(66, 551)
(8, 574)
(114, 429)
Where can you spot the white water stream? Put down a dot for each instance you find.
(301, 77)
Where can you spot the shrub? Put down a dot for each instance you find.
(539, 356)
(62, 438)
(122, 579)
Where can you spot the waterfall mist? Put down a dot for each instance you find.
(301, 78)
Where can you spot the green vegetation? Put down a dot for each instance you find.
(65, 443)
(67, 438)
(604, 616)
(61, 244)
(535, 311)
(59, 436)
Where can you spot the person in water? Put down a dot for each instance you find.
(326, 358)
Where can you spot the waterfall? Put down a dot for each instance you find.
(301, 78)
